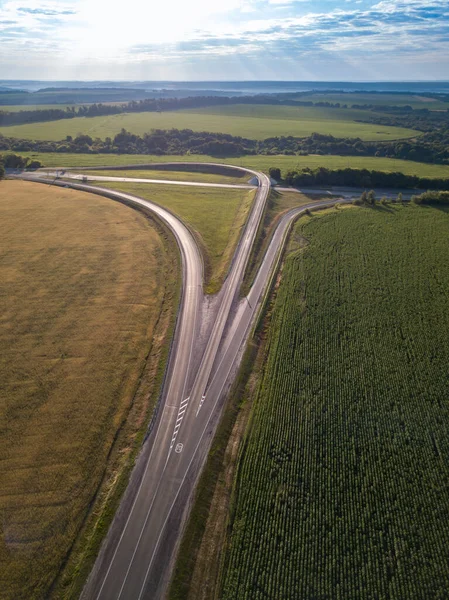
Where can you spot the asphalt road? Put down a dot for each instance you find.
(128, 572)
(128, 565)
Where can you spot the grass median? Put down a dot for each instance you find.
(216, 216)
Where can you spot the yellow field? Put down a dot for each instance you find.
(85, 295)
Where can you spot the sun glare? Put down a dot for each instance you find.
(147, 23)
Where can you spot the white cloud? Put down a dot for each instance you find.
(94, 32)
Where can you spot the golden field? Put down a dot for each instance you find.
(86, 302)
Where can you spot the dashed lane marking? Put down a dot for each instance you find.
(203, 398)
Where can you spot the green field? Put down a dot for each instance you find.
(413, 100)
(216, 215)
(342, 483)
(260, 162)
(251, 121)
(86, 303)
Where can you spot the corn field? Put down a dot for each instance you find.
(343, 480)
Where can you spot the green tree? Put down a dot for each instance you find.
(2, 171)
(275, 173)
(14, 161)
(371, 198)
(33, 165)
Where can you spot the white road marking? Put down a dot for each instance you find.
(181, 412)
(203, 398)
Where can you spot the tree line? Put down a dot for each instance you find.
(358, 178)
(432, 198)
(15, 162)
(429, 148)
(158, 141)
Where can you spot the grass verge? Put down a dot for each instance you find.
(277, 205)
(217, 216)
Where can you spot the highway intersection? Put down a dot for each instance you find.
(137, 555)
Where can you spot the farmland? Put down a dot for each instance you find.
(358, 98)
(215, 215)
(342, 481)
(88, 296)
(250, 121)
(261, 162)
(413, 100)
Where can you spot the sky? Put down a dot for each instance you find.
(323, 40)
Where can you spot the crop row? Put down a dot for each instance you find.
(343, 484)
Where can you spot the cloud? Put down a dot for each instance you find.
(384, 27)
(46, 12)
(294, 33)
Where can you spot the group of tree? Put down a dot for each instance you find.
(15, 162)
(421, 119)
(370, 199)
(429, 197)
(432, 198)
(361, 178)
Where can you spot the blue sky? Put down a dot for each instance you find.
(323, 40)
